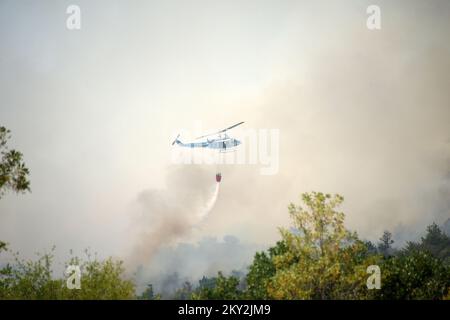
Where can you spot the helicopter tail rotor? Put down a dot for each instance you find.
(176, 139)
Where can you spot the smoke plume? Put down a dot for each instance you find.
(166, 215)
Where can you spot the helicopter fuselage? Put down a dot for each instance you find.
(220, 144)
(221, 141)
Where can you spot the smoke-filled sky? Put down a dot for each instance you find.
(363, 113)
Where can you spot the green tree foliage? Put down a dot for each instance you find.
(323, 259)
(149, 294)
(13, 172)
(417, 275)
(385, 244)
(29, 279)
(34, 279)
(371, 248)
(185, 292)
(101, 280)
(435, 241)
(218, 288)
(207, 283)
(262, 270)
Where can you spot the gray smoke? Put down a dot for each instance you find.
(368, 118)
(171, 266)
(166, 215)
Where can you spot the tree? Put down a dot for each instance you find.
(436, 242)
(29, 280)
(34, 279)
(218, 288)
(207, 283)
(262, 270)
(385, 244)
(185, 292)
(371, 248)
(323, 260)
(417, 275)
(101, 280)
(148, 293)
(13, 172)
(14, 177)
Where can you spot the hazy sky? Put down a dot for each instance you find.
(361, 113)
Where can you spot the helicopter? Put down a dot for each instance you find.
(222, 142)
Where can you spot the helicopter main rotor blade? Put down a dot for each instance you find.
(237, 124)
(224, 130)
